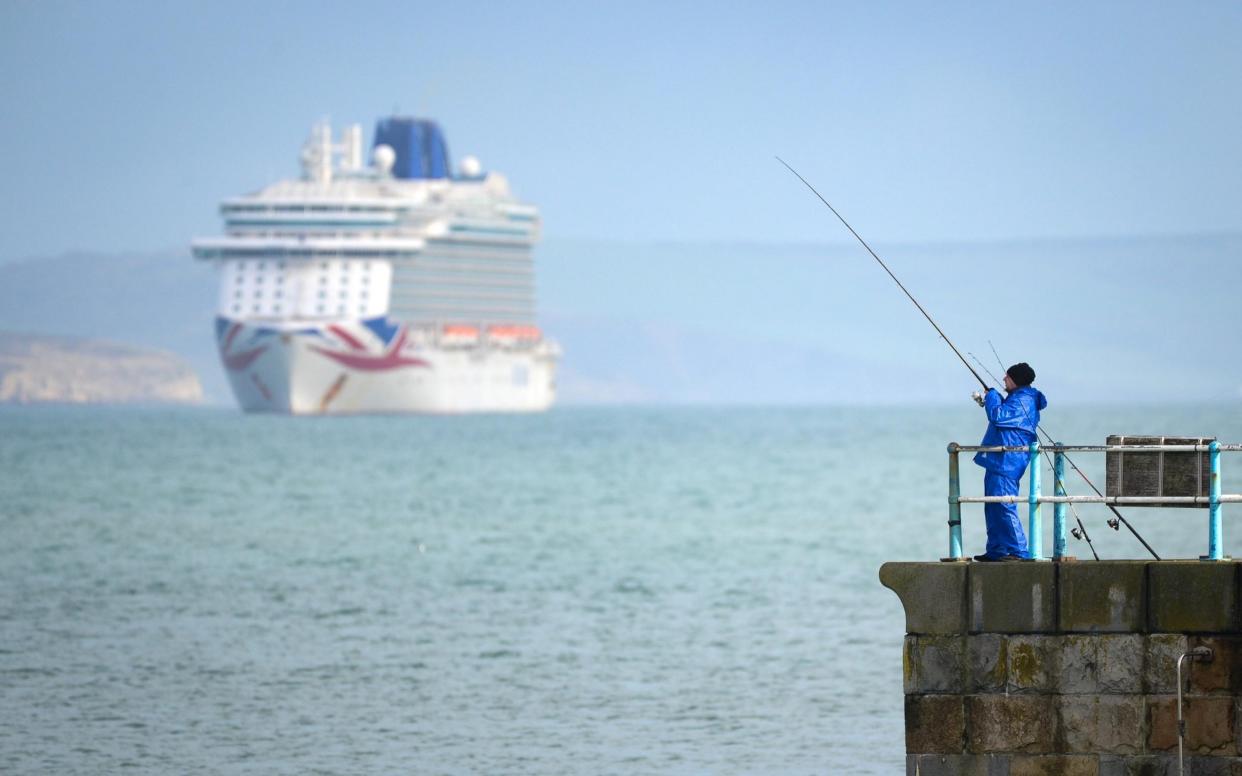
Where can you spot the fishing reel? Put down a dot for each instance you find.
(978, 397)
(1076, 533)
(1114, 524)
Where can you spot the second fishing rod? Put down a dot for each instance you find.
(1120, 518)
(940, 331)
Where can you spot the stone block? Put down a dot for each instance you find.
(1209, 725)
(1151, 765)
(1223, 673)
(1102, 597)
(932, 594)
(1054, 765)
(1108, 724)
(957, 765)
(934, 664)
(1010, 724)
(935, 724)
(1237, 723)
(1160, 662)
(1031, 664)
(1192, 597)
(1161, 723)
(1214, 766)
(1077, 669)
(1012, 597)
(987, 658)
(1094, 664)
(1119, 663)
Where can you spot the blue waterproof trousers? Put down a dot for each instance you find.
(1005, 535)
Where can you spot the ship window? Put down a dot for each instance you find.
(239, 277)
(366, 266)
(258, 294)
(342, 294)
(322, 294)
(259, 279)
(364, 294)
(237, 294)
(362, 309)
(276, 308)
(262, 265)
(237, 308)
(341, 309)
(256, 308)
(323, 279)
(280, 265)
(320, 308)
(323, 265)
(365, 280)
(280, 279)
(277, 294)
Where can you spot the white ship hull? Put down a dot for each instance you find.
(355, 367)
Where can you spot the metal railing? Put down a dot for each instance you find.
(1035, 499)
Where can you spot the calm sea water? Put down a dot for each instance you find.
(683, 591)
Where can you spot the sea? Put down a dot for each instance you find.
(626, 590)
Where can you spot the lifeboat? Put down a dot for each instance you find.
(459, 334)
(513, 334)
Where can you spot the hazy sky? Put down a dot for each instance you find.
(125, 123)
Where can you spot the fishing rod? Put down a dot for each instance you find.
(1119, 517)
(949, 342)
(1081, 531)
(956, 352)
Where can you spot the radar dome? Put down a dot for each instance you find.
(470, 167)
(384, 158)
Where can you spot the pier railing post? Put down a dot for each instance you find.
(955, 506)
(1035, 528)
(1214, 519)
(1058, 511)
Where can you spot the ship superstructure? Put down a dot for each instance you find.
(397, 286)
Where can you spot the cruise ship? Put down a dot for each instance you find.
(387, 286)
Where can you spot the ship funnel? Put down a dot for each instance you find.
(419, 145)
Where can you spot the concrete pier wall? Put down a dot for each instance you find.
(1016, 669)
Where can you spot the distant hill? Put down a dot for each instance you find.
(162, 301)
(42, 369)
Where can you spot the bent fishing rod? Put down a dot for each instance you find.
(1119, 517)
(949, 342)
(875, 256)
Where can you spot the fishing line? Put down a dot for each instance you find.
(875, 256)
(999, 363)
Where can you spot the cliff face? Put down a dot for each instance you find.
(36, 368)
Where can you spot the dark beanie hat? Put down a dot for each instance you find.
(1021, 373)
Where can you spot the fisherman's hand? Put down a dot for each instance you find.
(978, 397)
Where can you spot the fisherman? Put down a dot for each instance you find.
(1012, 422)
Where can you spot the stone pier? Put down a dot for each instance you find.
(1017, 669)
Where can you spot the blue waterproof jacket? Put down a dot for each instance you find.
(1011, 423)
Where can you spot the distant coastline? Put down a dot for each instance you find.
(42, 369)
(1117, 320)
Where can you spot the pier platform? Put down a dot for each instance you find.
(1032, 668)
